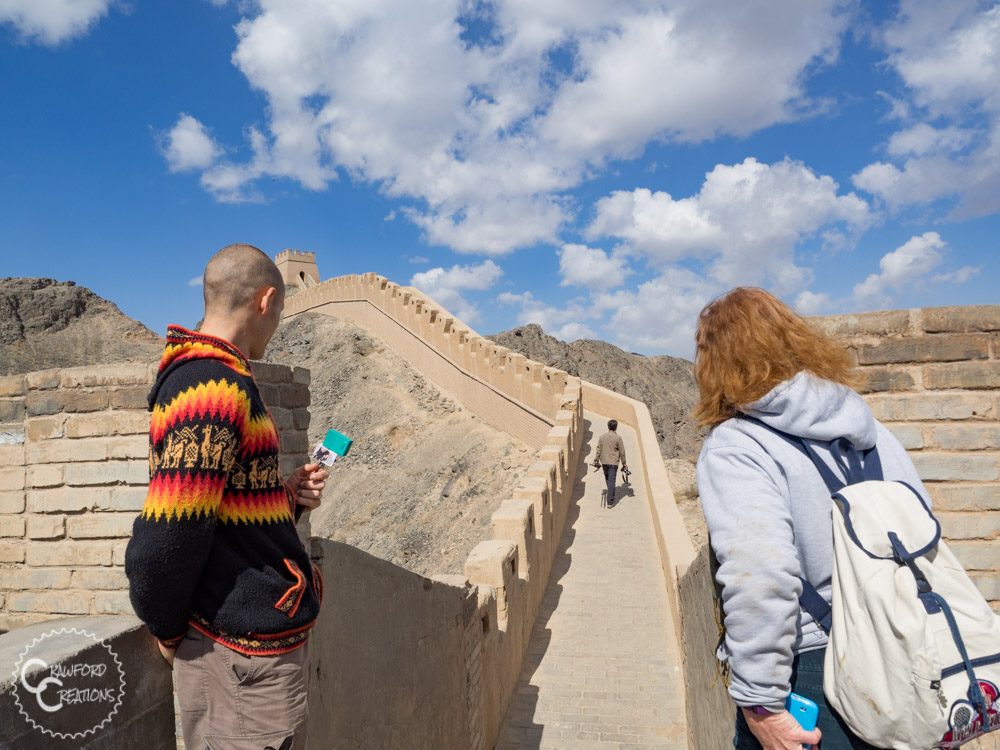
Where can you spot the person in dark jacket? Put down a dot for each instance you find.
(215, 566)
(610, 453)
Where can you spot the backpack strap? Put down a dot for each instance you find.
(857, 466)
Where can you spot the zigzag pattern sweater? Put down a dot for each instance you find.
(215, 545)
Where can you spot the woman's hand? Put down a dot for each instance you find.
(780, 731)
(307, 483)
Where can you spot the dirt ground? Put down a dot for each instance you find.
(423, 476)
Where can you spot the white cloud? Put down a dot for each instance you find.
(195, 281)
(745, 222)
(909, 263)
(564, 323)
(188, 145)
(417, 260)
(958, 276)
(484, 136)
(813, 303)
(590, 267)
(52, 21)
(948, 57)
(446, 286)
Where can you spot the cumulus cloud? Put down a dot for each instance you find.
(195, 281)
(948, 57)
(813, 303)
(483, 132)
(745, 222)
(52, 21)
(188, 145)
(447, 286)
(565, 322)
(590, 267)
(910, 262)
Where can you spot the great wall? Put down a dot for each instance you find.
(522, 647)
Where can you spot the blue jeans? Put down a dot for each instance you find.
(807, 681)
(610, 474)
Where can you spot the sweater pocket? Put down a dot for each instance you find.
(292, 598)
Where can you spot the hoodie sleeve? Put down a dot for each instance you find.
(195, 434)
(750, 527)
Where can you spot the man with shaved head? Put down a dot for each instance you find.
(216, 568)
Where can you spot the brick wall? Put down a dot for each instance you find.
(73, 475)
(932, 376)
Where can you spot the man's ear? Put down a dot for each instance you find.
(268, 300)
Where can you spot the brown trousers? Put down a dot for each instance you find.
(230, 701)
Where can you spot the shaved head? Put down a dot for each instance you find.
(235, 275)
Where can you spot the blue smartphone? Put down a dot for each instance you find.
(804, 710)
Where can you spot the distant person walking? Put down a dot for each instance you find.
(611, 452)
(215, 566)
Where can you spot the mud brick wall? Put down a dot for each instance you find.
(932, 376)
(73, 474)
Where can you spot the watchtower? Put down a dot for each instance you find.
(298, 269)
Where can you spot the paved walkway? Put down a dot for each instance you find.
(600, 670)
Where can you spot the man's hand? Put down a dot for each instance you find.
(167, 652)
(307, 484)
(780, 731)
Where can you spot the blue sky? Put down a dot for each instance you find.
(604, 168)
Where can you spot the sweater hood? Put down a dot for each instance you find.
(185, 346)
(816, 409)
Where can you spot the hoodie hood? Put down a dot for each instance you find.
(188, 346)
(816, 409)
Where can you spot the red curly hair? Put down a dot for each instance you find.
(748, 342)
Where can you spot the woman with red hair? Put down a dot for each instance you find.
(768, 379)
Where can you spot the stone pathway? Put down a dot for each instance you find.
(601, 667)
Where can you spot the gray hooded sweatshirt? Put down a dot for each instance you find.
(769, 519)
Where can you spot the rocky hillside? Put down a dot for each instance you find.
(423, 476)
(46, 323)
(665, 384)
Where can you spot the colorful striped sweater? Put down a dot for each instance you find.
(215, 546)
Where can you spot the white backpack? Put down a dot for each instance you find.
(913, 661)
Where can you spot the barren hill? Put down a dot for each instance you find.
(46, 323)
(665, 384)
(424, 475)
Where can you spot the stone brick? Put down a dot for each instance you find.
(46, 527)
(133, 397)
(282, 418)
(56, 602)
(119, 373)
(909, 436)
(12, 409)
(965, 496)
(107, 423)
(66, 451)
(84, 400)
(961, 319)
(107, 472)
(294, 396)
(977, 555)
(12, 455)
(44, 475)
(955, 467)
(43, 403)
(37, 578)
(881, 323)
(125, 499)
(877, 379)
(294, 442)
(118, 552)
(12, 385)
(112, 603)
(42, 379)
(932, 406)
(128, 446)
(301, 375)
(12, 552)
(71, 553)
(100, 525)
(12, 502)
(970, 525)
(67, 499)
(966, 437)
(45, 428)
(267, 372)
(942, 348)
(107, 579)
(988, 584)
(12, 526)
(271, 394)
(972, 375)
(12, 479)
(301, 419)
